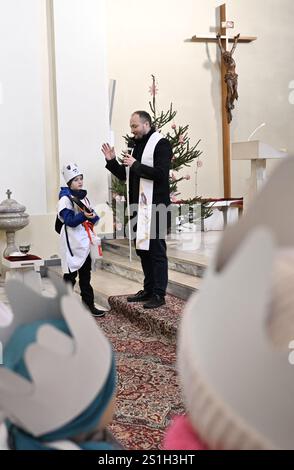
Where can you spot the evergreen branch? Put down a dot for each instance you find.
(184, 154)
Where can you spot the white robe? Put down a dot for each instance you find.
(78, 240)
(146, 196)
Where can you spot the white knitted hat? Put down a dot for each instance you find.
(70, 171)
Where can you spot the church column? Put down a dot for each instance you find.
(50, 107)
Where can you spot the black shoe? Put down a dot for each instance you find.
(141, 296)
(155, 302)
(97, 313)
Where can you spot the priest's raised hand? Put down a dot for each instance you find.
(108, 151)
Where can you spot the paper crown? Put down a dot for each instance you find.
(238, 386)
(57, 363)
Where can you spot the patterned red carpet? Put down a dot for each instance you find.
(148, 394)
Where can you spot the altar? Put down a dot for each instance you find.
(258, 153)
(25, 269)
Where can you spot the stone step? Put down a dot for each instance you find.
(180, 285)
(111, 291)
(105, 284)
(160, 321)
(193, 263)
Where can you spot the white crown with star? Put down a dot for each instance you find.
(61, 366)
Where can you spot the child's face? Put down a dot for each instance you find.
(77, 183)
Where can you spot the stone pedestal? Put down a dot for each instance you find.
(12, 218)
(27, 271)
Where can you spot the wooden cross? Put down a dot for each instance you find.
(225, 124)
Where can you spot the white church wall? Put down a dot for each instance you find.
(82, 90)
(141, 39)
(149, 38)
(265, 72)
(30, 162)
(146, 39)
(21, 107)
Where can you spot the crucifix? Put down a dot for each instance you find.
(229, 85)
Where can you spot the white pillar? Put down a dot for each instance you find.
(82, 90)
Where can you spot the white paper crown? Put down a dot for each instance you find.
(67, 372)
(239, 388)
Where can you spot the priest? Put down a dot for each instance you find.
(149, 165)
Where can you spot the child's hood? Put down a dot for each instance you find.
(64, 191)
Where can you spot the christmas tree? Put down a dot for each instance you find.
(184, 154)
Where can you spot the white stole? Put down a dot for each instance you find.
(146, 196)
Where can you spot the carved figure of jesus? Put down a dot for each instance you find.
(231, 77)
